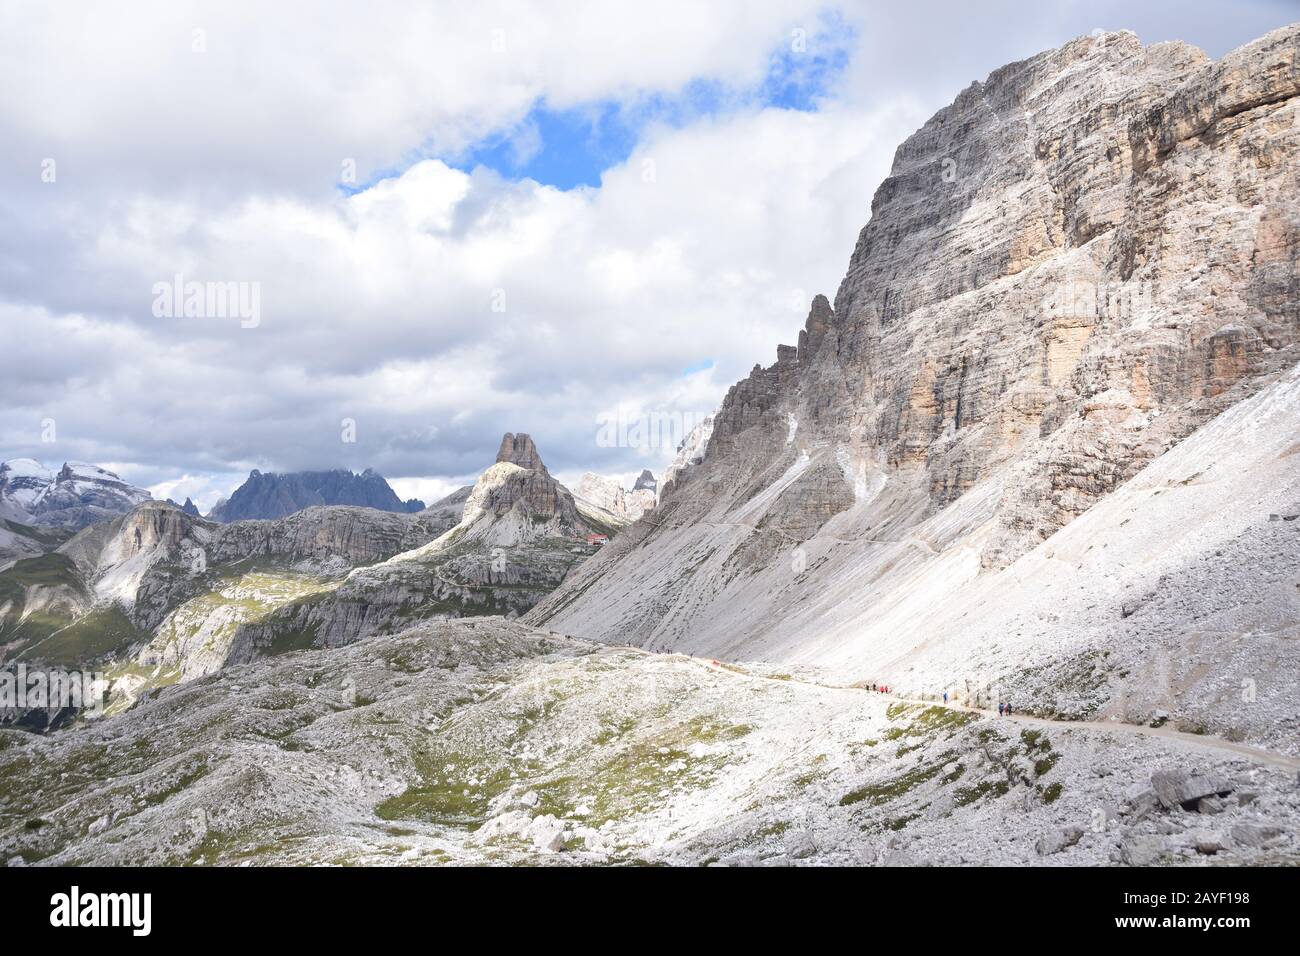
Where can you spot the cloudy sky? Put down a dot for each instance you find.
(449, 220)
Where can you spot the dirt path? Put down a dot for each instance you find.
(1196, 741)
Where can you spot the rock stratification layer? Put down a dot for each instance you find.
(1074, 266)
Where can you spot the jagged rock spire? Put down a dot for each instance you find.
(520, 450)
(820, 318)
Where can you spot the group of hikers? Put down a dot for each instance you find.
(1004, 707)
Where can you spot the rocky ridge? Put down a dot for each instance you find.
(157, 595)
(266, 496)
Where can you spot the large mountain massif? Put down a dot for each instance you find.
(1069, 270)
(73, 497)
(275, 496)
(1043, 448)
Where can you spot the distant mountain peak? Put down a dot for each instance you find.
(267, 495)
(189, 507)
(77, 495)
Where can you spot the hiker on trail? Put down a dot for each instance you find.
(945, 697)
(999, 708)
(1008, 708)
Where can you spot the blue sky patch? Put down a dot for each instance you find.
(573, 147)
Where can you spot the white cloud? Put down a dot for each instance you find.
(280, 94)
(222, 165)
(378, 307)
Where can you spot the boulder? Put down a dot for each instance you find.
(1255, 834)
(547, 833)
(1141, 805)
(1142, 850)
(1207, 843)
(1054, 841)
(1208, 805)
(1178, 788)
(801, 845)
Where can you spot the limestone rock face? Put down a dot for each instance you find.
(1078, 263)
(520, 450)
(689, 453)
(530, 494)
(625, 504)
(353, 535)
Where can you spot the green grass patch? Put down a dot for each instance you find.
(878, 793)
(968, 795)
(104, 632)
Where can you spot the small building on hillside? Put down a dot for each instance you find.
(601, 539)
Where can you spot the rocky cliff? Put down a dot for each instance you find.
(1078, 263)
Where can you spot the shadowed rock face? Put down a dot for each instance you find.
(1075, 265)
(266, 496)
(520, 450)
